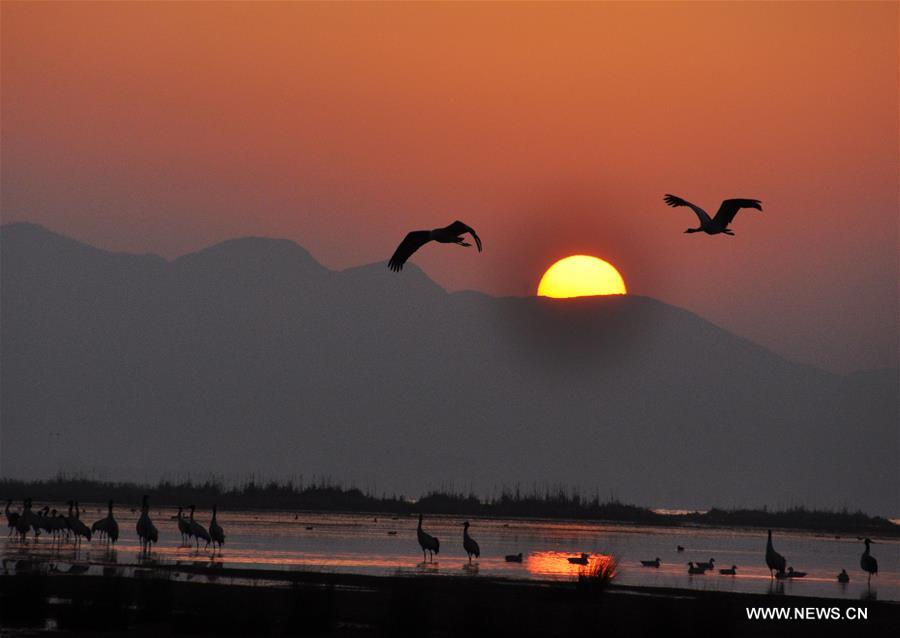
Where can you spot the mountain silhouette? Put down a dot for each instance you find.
(250, 357)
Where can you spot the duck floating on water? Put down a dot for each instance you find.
(729, 572)
(696, 569)
(579, 560)
(514, 558)
(650, 563)
(843, 577)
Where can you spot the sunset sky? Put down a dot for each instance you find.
(552, 129)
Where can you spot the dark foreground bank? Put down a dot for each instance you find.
(190, 602)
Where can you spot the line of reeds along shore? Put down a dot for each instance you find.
(324, 496)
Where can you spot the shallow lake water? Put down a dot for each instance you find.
(381, 544)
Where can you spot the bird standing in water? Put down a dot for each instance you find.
(469, 543)
(427, 542)
(868, 562)
(774, 561)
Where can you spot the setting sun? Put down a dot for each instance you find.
(581, 276)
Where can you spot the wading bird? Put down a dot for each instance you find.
(774, 561)
(146, 530)
(197, 530)
(25, 520)
(469, 543)
(718, 224)
(650, 563)
(183, 527)
(107, 526)
(868, 562)
(215, 530)
(78, 528)
(451, 234)
(11, 518)
(427, 542)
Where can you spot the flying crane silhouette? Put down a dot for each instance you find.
(718, 224)
(451, 234)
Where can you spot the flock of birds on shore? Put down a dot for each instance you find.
(70, 526)
(61, 526)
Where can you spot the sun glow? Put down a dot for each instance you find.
(581, 276)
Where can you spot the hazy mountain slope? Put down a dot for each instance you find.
(249, 356)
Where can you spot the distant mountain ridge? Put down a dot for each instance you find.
(249, 356)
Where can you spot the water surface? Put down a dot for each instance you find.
(380, 544)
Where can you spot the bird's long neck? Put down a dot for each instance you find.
(420, 523)
(110, 508)
(192, 513)
(866, 553)
(214, 513)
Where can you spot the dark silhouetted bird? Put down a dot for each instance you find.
(427, 542)
(719, 223)
(650, 563)
(215, 530)
(514, 558)
(868, 562)
(469, 543)
(774, 560)
(146, 530)
(843, 577)
(451, 234)
(695, 569)
(729, 572)
(11, 518)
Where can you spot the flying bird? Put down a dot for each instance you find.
(719, 223)
(451, 234)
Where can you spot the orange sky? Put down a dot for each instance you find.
(551, 128)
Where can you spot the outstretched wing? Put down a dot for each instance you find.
(674, 202)
(730, 208)
(410, 244)
(458, 228)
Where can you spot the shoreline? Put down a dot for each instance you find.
(337, 500)
(319, 603)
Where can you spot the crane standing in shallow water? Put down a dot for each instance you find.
(774, 560)
(215, 530)
(197, 530)
(107, 526)
(868, 562)
(718, 224)
(11, 518)
(469, 543)
(183, 527)
(146, 530)
(427, 542)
